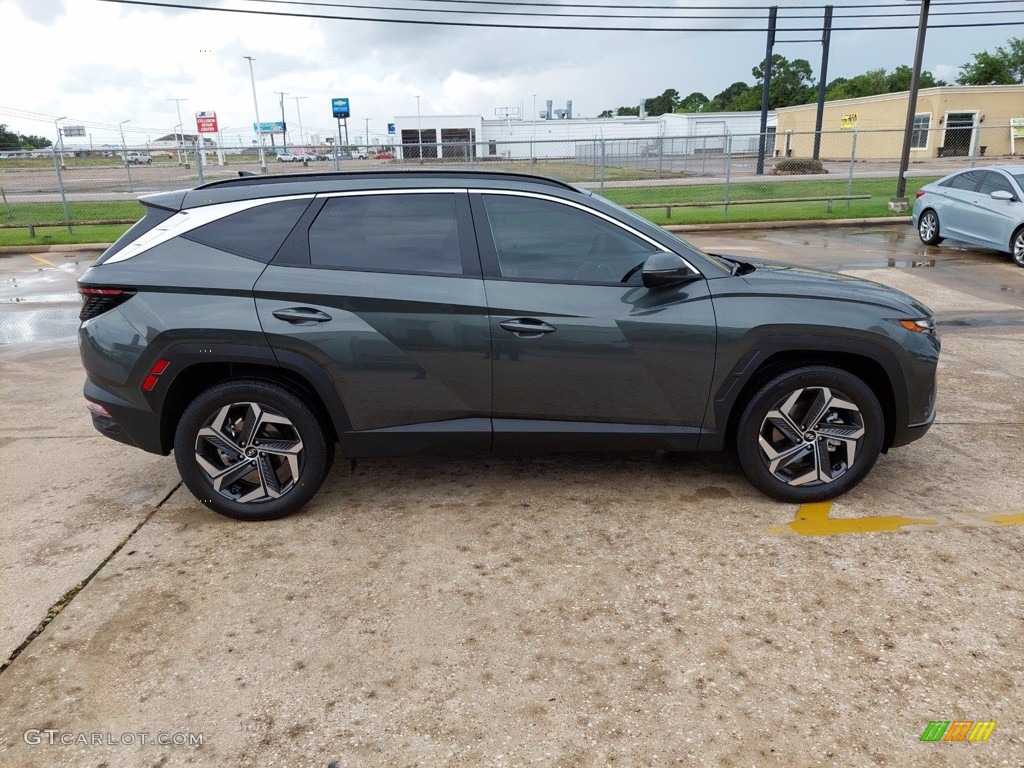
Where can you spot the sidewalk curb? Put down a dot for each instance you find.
(746, 225)
(14, 250)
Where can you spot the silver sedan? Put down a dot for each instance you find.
(981, 206)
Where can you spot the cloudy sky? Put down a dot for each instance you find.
(99, 63)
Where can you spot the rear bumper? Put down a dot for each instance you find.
(128, 423)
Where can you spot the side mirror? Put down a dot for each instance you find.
(1002, 194)
(664, 269)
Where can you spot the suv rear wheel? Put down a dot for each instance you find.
(252, 450)
(810, 434)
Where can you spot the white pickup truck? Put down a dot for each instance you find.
(138, 158)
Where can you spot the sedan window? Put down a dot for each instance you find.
(966, 181)
(544, 240)
(994, 181)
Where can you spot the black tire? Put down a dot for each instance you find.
(928, 228)
(1017, 247)
(809, 448)
(292, 435)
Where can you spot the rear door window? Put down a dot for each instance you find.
(965, 181)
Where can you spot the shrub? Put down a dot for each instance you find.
(797, 165)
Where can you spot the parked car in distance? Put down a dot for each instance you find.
(137, 158)
(287, 157)
(433, 311)
(981, 206)
(384, 156)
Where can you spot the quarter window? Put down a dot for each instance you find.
(255, 233)
(544, 240)
(415, 233)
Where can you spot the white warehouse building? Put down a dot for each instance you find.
(459, 137)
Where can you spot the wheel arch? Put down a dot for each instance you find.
(194, 377)
(757, 367)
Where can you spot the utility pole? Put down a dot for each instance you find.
(762, 142)
(826, 39)
(127, 165)
(899, 202)
(256, 105)
(419, 131)
(179, 140)
(367, 120)
(284, 125)
(302, 138)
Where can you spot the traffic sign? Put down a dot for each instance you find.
(339, 108)
(73, 130)
(206, 122)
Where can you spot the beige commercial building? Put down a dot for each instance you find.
(949, 121)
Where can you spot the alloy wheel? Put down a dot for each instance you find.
(249, 452)
(928, 226)
(1018, 248)
(812, 436)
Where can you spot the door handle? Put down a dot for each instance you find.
(301, 315)
(527, 327)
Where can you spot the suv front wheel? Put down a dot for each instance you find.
(810, 434)
(251, 450)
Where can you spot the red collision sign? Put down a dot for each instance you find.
(206, 122)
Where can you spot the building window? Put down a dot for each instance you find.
(919, 137)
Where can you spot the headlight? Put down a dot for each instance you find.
(919, 325)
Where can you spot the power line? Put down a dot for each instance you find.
(562, 27)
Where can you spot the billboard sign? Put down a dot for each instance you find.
(73, 130)
(848, 122)
(206, 122)
(268, 127)
(339, 108)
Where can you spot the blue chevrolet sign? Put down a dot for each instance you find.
(339, 107)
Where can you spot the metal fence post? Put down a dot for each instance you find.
(602, 166)
(60, 185)
(199, 160)
(849, 178)
(728, 169)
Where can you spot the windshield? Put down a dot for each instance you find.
(1019, 178)
(640, 220)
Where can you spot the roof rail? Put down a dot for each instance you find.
(249, 180)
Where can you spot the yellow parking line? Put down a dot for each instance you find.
(813, 520)
(41, 260)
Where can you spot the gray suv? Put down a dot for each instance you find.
(251, 325)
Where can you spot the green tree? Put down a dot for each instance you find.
(660, 105)
(899, 79)
(729, 99)
(628, 111)
(607, 113)
(695, 102)
(1004, 67)
(13, 140)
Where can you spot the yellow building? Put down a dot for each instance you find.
(949, 121)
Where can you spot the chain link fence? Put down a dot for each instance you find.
(669, 179)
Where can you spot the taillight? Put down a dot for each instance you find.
(918, 193)
(96, 301)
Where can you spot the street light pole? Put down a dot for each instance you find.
(179, 141)
(284, 123)
(57, 167)
(256, 106)
(124, 147)
(302, 137)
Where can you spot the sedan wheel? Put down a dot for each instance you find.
(810, 434)
(251, 450)
(1018, 247)
(928, 228)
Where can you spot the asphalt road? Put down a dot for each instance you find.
(543, 609)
